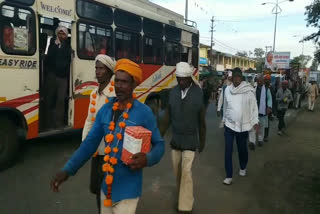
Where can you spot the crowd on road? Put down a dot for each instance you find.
(246, 107)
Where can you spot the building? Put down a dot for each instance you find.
(223, 61)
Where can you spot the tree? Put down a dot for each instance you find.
(313, 20)
(258, 52)
(303, 60)
(315, 65)
(242, 53)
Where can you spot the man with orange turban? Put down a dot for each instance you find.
(122, 186)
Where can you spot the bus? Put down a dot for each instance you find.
(150, 35)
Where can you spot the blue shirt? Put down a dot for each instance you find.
(127, 183)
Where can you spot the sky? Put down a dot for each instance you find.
(243, 25)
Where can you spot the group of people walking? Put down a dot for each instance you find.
(117, 185)
(245, 110)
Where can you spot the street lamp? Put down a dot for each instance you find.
(276, 10)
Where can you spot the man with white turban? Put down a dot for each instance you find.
(99, 96)
(186, 114)
(58, 67)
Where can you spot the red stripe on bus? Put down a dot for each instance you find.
(30, 110)
(19, 101)
(156, 84)
(148, 70)
(91, 83)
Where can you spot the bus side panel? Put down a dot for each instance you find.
(83, 84)
(29, 107)
(158, 79)
(80, 111)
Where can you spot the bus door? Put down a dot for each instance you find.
(48, 96)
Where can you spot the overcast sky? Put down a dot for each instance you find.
(246, 24)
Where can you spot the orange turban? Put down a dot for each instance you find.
(267, 77)
(131, 68)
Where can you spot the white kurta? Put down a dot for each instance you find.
(100, 101)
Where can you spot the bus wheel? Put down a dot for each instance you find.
(9, 142)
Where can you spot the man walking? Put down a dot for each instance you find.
(264, 101)
(312, 95)
(240, 115)
(186, 114)
(267, 83)
(122, 184)
(283, 97)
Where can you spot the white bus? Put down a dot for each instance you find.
(154, 37)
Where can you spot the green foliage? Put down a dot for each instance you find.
(303, 60)
(259, 52)
(313, 19)
(242, 53)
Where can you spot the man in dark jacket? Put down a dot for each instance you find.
(186, 113)
(58, 63)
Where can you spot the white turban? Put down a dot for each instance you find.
(107, 61)
(183, 69)
(60, 28)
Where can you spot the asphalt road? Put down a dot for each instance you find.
(24, 188)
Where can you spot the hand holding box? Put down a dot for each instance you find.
(136, 139)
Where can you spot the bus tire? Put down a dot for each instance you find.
(9, 142)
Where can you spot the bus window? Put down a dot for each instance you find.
(195, 57)
(152, 28)
(195, 40)
(172, 33)
(195, 50)
(152, 50)
(94, 11)
(18, 34)
(25, 2)
(128, 45)
(172, 53)
(93, 40)
(127, 20)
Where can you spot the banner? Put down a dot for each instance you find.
(277, 60)
(62, 9)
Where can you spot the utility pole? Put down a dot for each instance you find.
(211, 43)
(275, 26)
(186, 12)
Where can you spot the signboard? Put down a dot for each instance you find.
(18, 63)
(20, 36)
(186, 39)
(203, 61)
(62, 9)
(277, 60)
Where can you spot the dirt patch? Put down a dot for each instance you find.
(289, 186)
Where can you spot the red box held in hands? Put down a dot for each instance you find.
(136, 139)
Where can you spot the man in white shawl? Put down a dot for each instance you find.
(240, 115)
(186, 114)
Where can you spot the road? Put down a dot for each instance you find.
(25, 187)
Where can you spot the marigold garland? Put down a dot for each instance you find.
(111, 161)
(93, 110)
